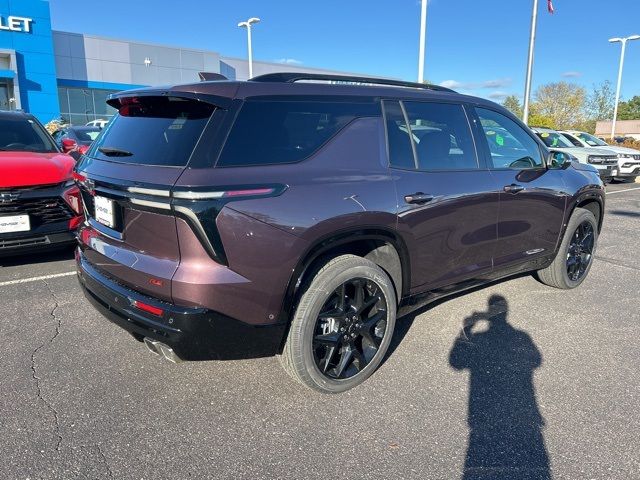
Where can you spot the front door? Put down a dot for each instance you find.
(447, 201)
(5, 97)
(533, 197)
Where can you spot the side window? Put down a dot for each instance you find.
(509, 144)
(573, 140)
(268, 132)
(441, 135)
(400, 150)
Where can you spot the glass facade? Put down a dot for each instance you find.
(81, 105)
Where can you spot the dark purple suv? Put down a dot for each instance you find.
(300, 215)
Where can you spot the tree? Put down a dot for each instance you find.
(629, 110)
(512, 103)
(562, 103)
(600, 102)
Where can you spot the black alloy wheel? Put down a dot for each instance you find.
(580, 253)
(350, 328)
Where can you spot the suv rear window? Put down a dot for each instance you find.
(153, 131)
(287, 131)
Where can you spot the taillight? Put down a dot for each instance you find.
(73, 199)
(82, 149)
(148, 308)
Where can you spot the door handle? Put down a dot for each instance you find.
(418, 198)
(513, 188)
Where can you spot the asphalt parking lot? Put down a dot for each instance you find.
(552, 379)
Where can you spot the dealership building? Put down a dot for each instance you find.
(54, 74)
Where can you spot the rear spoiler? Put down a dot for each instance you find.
(118, 99)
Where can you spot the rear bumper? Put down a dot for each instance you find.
(192, 333)
(35, 242)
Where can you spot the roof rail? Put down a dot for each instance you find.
(292, 77)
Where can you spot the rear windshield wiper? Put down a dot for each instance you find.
(114, 152)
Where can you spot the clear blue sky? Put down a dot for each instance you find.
(478, 47)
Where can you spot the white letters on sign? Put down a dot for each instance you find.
(16, 24)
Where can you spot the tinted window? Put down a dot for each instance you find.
(441, 135)
(283, 131)
(572, 139)
(398, 140)
(24, 134)
(153, 131)
(509, 144)
(87, 134)
(554, 140)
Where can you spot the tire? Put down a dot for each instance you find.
(316, 348)
(558, 274)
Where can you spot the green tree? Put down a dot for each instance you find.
(600, 102)
(512, 103)
(560, 103)
(629, 110)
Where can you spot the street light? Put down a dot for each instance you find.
(423, 39)
(248, 24)
(615, 107)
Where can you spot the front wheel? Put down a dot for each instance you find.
(575, 256)
(342, 326)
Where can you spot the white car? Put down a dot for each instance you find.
(628, 158)
(605, 160)
(97, 123)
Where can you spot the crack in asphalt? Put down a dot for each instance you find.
(104, 460)
(34, 372)
(617, 263)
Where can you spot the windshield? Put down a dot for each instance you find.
(554, 140)
(20, 134)
(591, 140)
(153, 131)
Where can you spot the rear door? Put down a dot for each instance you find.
(447, 205)
(532, 196)
(126, 178)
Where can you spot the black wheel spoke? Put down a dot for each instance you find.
(358, 300)
(345, 361)
(342, 296)
(326, 361)
(360, 359)
(368, 304)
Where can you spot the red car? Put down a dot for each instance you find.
(40, 207)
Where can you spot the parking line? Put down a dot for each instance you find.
(36, 279)
(625, 190)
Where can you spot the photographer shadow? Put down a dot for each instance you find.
(505, 425)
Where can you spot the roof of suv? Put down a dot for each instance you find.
(14, 114)
(308, 84)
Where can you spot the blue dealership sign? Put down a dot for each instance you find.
(27, 57)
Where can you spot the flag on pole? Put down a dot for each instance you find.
(550, 6)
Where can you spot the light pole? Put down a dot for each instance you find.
(423, 40)
(248, 24)
(527, 84)
(624, 47)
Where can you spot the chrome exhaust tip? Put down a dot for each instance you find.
(159, 348)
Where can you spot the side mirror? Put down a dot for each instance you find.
(559, 159)
(68, 145)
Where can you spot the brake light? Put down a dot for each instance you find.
(82, 149)
(148, 308)
(75, 222)
(72, 197)
(78, 177)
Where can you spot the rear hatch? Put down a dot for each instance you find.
(126, 179)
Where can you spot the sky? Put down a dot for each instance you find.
(476, 47)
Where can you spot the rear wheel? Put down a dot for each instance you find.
(342, 326)
(575, 256)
